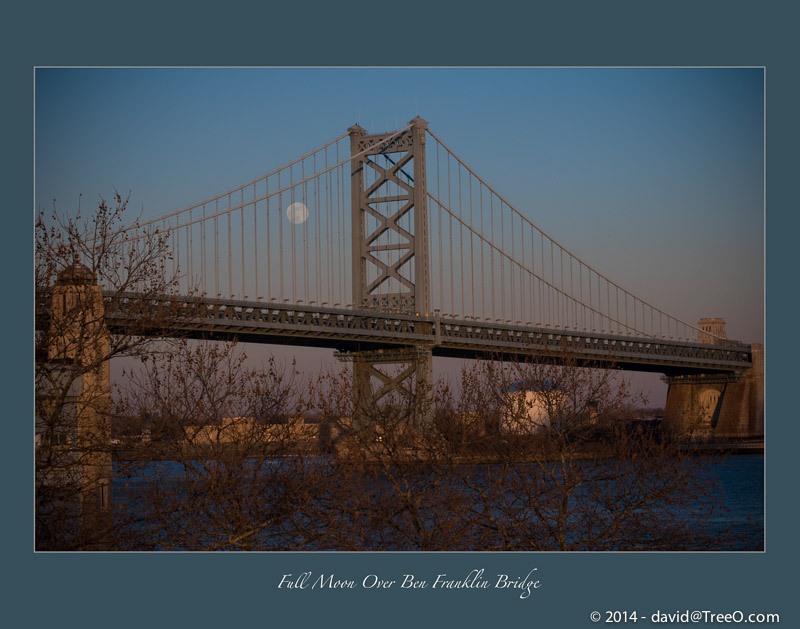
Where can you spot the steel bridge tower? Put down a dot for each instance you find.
(390, 262)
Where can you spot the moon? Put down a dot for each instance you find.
(297, 213)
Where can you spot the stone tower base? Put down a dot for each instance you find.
(709, 407)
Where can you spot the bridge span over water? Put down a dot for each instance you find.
(354, 331)
(391, 250)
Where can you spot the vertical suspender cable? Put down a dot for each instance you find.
(342, 224)
(204, 288)
(338, 241)
(491, 250)
(292, 232)
(521, 278)
(450, 223)
(533, 278)
(255, 241)
(441, 264)
(562, 301)
(191, 250)
(461, 240)
(329, 204)
(188, 261)
(502, 263)
(241, 216)
(572, 294)
(216, 248)
(471, 249)
(553, 303)
(317, 243)
(583, 308)
(281, 295)
(541, 288)
(306, 255)
(602, 313)
(305, 234)
(230, 251)
(483, 267)
(269, 247)
(511, 267)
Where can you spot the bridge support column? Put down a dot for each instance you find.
(717, 407)
(391, 388)
(390, 261)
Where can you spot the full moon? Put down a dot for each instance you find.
(297, 213)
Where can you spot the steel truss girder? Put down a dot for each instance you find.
(703, 378)
(344, 328)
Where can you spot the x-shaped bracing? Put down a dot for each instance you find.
(389, 223)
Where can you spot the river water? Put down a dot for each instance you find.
(741, 482)
(738, 479)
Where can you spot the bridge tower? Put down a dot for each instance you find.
(73, 418)
(390, 261)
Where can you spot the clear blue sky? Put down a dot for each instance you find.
(652, 176)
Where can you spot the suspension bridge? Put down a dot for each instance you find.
(390, 249)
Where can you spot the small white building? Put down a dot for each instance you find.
(531, 407)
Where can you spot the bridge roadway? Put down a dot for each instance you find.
(350, 330)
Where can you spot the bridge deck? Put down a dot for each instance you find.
(350, 330)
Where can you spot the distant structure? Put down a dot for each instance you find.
(73, 424)
(537, 407)
(248, 431)
(712, 330)
(709, 407)
(528, 408)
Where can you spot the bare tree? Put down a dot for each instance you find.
(530, 456)
(400, 492)
(87, 271)
(229, 462)
(567, 475)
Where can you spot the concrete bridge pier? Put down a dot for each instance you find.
(717, 407)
